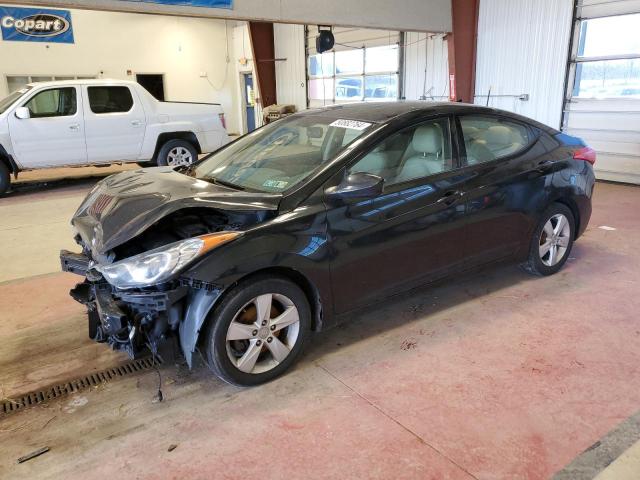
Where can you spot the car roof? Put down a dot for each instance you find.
(85, 81)
(382, 112)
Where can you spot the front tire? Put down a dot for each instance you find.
(176, 153)
(258, 331)
(552, 241)
(5, 179)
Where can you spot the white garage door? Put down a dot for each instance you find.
(363, 66)
(603, 97)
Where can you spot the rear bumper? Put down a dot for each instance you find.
(584, 199)
(585, 215)
(212, 140)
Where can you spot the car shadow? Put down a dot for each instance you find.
(42, 186)
(48, 180)
(411, 308)
(415, 306)
(419, 308)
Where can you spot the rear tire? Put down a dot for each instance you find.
(177, 153)
(5, 179)
(552, 241)
(271, 323)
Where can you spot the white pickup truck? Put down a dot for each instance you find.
(93, 122)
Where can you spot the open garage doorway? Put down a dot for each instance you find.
(153, 82)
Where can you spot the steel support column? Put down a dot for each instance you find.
(462, 50)
(261, 34)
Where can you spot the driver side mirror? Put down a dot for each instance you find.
(357, 186)
(23, 113)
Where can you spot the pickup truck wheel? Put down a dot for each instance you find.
(258, 330)
(5, 179)
(175, 153)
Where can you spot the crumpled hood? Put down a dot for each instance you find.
(123, 205)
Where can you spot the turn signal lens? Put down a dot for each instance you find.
(214, 240)
(587, 154)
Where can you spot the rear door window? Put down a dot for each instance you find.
(110, 99)
(491, 138)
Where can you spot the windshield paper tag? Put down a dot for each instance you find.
(353, 124)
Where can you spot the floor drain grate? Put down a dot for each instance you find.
(11, 405)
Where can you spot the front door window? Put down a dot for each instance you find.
(413, 153)
(55, 102)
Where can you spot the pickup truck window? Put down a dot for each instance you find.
(110, 99)
(55, 102)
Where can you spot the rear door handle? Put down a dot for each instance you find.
(75, 127)
(136, 123)
(449, 197)
(544, 165)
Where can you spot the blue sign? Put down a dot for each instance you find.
(36, 25)
(192, 3)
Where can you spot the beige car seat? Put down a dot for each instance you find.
(427, 142)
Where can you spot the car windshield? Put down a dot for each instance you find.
(7, 101)
(280, 155)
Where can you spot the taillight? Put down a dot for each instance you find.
(222, 120)
(587, 154)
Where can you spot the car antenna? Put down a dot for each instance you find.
(488, 95)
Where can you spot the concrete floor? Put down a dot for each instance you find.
(496, 376)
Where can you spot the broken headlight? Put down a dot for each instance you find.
(156, 266)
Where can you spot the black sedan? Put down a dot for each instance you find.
(243, 254)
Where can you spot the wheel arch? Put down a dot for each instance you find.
(571, 205)
(288, 273)
(310, 290)
(9, 162)
(182, 135)
(203, 302)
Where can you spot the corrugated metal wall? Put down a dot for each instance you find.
(290, 74)
(523, 49)
(426, 67)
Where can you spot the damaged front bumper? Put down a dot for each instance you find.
(130, 321)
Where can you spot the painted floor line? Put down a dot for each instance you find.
(404, 427)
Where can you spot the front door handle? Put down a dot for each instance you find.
(449, 197)
(75, 127)
(136, 123)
